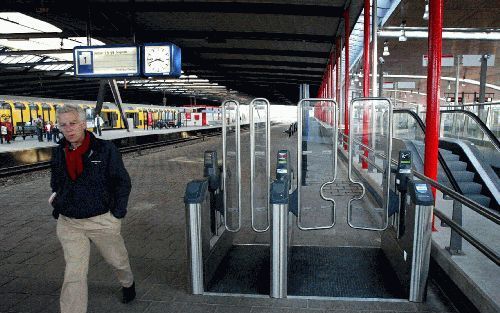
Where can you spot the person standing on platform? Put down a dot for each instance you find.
(39, 128)
(10, 131)
(98, 122)
(90, 191)
(55, 133)
(48, 131)
(3, 132)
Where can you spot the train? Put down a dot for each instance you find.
(23, 111)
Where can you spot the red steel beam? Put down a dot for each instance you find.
(366, 80)
(347, 32)
(435, 40)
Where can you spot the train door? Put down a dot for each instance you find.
(33, 112)
(46, 108)
(22, 118)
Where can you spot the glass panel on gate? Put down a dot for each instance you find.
(370, 150)
(231, 166)
(260, 171)
(316, 163)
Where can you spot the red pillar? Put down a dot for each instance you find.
(347, 30)
(338, 61)
(433, 89)
(366, 79)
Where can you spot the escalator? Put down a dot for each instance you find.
(469, 153)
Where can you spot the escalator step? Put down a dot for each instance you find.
(463, 176)
(457, 165)
(444, 151)
(450, 157)
(483, 200)
(470, 187)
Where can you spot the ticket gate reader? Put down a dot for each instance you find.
(407, 243)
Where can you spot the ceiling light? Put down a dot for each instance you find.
(426, 12)
(402, 35)
(386, 49)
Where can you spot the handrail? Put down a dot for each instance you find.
(489, 253)
(443, 164)
(481, 124)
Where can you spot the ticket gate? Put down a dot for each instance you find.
(283, 268)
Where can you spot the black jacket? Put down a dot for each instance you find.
(103, 186)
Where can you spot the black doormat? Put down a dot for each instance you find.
(313, 271)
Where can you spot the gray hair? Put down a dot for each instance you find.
(71, 108)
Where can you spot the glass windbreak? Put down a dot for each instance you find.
(369, 150)
(232, 180)
(406, 126)
(260, 172)
(316, 163)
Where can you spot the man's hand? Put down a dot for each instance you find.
(51, 198)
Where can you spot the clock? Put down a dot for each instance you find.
(157, 59)
(161, 59)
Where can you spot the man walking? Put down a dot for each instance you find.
(90, 188)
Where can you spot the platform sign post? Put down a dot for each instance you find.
(106, 61)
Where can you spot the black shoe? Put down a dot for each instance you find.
(128, 293)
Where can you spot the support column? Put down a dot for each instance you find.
(381, 80)
(347, 31)
(374, 48)
(457, 79)
(433, 90)
(366, 80)
(482, 87)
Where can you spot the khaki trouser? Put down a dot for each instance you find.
(75, 236)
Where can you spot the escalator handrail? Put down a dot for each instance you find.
(443, 164)
(481, 124)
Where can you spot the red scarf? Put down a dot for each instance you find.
(74, 158)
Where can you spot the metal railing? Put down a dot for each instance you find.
(456, 196)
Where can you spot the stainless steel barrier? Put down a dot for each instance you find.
(367, 104)
(260, 149)
(327, 107)
(231, 151)
(279, 239)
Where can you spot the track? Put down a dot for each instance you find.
(27, 168)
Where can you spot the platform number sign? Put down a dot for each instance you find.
(85, 62)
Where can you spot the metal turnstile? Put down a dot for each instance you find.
(216, 212)
(281, 269)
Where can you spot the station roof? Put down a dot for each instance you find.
(253, 47)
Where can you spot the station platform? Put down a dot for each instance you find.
(32, 264)
(33, 143)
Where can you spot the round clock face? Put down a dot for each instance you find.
(157, 59)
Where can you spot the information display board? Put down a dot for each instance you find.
(161, 59)
(106, 61)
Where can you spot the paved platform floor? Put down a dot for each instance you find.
(32, 265)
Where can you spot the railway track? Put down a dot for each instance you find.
(27, 168)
